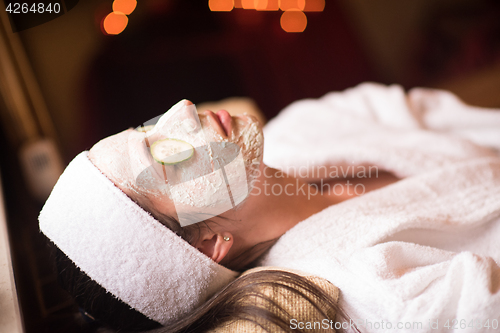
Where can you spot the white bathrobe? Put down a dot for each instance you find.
(419, 255)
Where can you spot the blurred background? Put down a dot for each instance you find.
(79, 84)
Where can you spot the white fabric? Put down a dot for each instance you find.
(126, 250)
(378, 125)
(423, 250)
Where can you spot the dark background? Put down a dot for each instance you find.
(190, 52)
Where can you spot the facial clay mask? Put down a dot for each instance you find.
(205, 174)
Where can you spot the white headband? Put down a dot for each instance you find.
(124, 249)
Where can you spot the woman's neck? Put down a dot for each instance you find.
(278, 202)
(293, 199)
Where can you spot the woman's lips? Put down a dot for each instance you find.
(216, 123)
(226, 121)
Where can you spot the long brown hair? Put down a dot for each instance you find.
(246, 299)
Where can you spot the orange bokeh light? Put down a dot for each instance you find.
(293, 20)
(267, 4)
(124, 6)
(292, 4)
(248, 4)
(114, 23)
(221, 5)
(260, 4)
(314, 6)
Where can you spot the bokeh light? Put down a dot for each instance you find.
(248, 4)
(221, 5)
(114, 23)
(260, 4)
(124, 6)
(292, 4)
(314, 6)
(267, 5)
(293, 20)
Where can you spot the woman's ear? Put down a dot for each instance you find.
(214, 245)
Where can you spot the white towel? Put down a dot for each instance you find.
(124, 249)
(421, 254)
(378, 125)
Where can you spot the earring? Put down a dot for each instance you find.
(227, 239)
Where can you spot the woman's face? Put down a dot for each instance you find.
(217, 178)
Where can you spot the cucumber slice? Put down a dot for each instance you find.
(171, 151)
(145, 128)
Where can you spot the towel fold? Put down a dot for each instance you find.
(381, 126)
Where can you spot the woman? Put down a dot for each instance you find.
(271, 203)
(114, 256)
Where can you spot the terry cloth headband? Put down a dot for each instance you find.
(126, 250)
